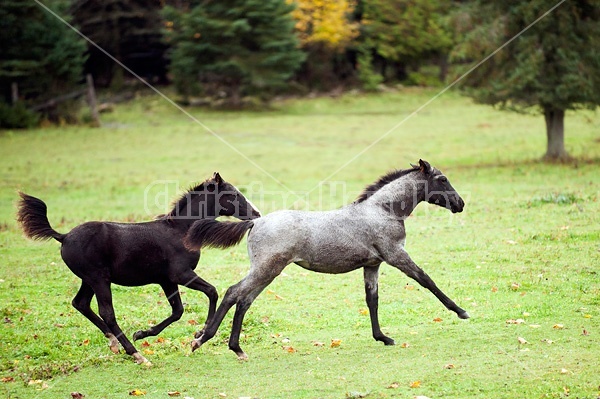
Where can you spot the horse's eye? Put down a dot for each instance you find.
(443, 179)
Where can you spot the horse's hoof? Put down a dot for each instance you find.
(242, 356)
(389, 342)
(113, 343)
(463, 315)
(196, 344)
(139, 359)
(139, 335)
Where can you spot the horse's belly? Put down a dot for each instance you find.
(337, 267)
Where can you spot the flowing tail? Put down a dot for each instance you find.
(210, 233)
(32, 217)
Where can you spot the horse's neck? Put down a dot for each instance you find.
(195, 209)
(399, 197)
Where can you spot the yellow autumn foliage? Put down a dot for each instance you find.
(325, 22)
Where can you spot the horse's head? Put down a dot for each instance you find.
(230, 201)
(438, 189)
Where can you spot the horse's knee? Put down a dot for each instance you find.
(177, 313)
(212, 294)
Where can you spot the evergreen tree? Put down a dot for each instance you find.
(130, 31)
(37, 51)
(396, 34)
(552, 67)
(232, 48)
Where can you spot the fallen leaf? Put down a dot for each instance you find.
(564, 371)
(548, 341)
(137, 392)
(513, 321)
(393, 385)
(405, 345)
(318, 343)
(585, 332)
(34, 382)
(285, 341)
(148, 352)
(160, 340)
(415, 384)
(59, 325)
(289, 349)
(515, 286)
(335, 343)
(449, 366)
(494, 289)
(437, 320)
(363, 311)
(279, 298)
(145, 344)
(522, 340)
(409, 287)
(77, 395)
(7, 379)
(192, 322)
(511, 242)
(587, 316)
(558, 326)
(174, 393)
(222, 394)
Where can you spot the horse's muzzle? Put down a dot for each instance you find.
(457, 206)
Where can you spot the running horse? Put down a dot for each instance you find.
(136, 254)
(363, 234)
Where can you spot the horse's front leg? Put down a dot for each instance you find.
(172, 293)
(371, 275)
(402, 261)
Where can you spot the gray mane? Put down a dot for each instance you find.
(382, 181)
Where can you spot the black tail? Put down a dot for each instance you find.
(32, 217)
(210, 233)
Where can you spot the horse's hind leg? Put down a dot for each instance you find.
(81, 302)
(371, 275)
(242, 295)
(172, 294)
(107, 312)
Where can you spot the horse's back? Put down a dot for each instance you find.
(125, 253)
(328, 242)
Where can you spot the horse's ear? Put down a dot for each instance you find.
(424, 166)
(217, 177)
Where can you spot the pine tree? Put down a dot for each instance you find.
(396, 34)
(130, 31)
(232, 48)
(37, 51)
(552, 67)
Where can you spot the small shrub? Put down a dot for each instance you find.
(17, 116)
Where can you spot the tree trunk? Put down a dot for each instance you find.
(555, 132)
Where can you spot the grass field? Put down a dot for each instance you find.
(523, 258)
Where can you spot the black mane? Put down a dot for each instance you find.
(180, 203)
(382, 181)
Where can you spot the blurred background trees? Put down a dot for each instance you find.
(230, 49)
(553, 67)
(234, 52)
(39, 58)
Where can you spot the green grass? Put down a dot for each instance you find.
(527, 247)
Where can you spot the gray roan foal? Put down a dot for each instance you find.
(364, 234)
